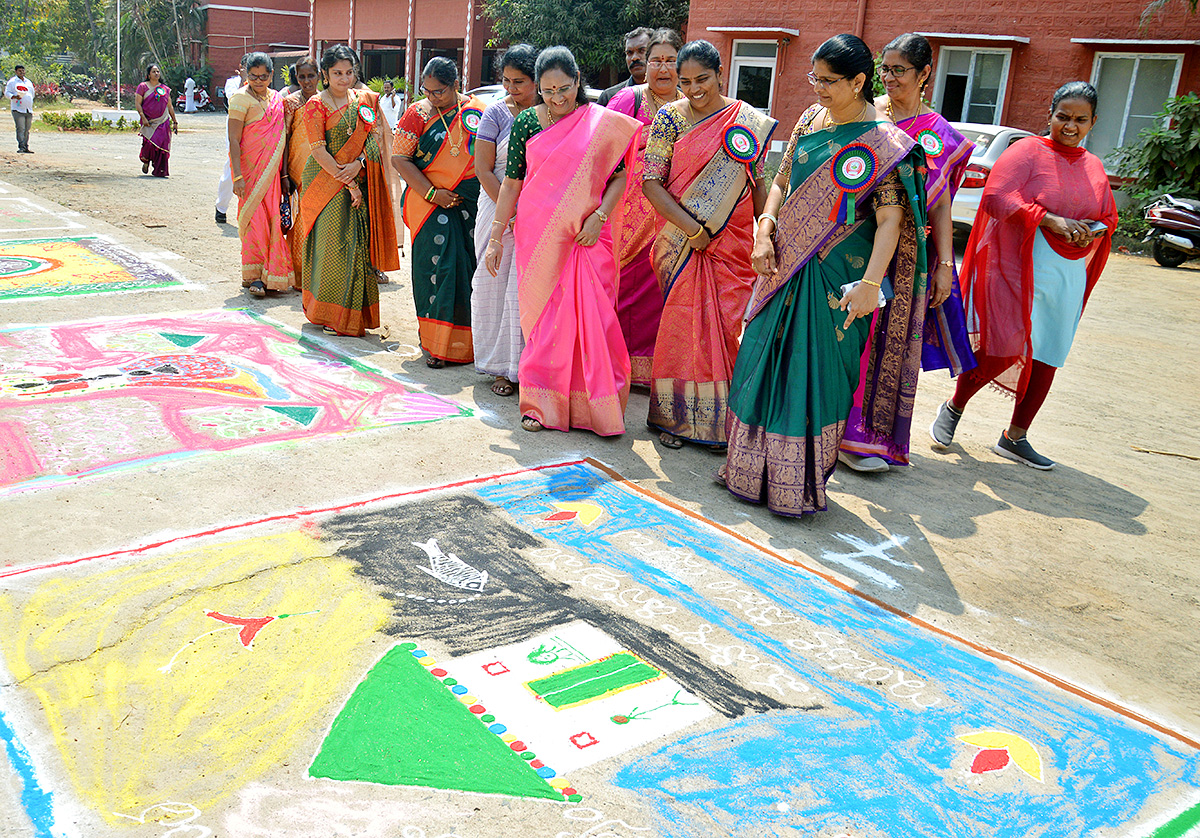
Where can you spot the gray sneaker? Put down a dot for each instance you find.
(942, 429)
(1021, 451)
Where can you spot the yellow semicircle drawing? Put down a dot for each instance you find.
(585, 512)
(1020, 750)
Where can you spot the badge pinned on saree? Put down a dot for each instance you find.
(931, 142)
(366, 114)
(471, 118)
(741, 144)
(853, 170)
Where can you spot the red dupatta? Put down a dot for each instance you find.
(1034, 177)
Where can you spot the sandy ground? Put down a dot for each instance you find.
(1088, 572)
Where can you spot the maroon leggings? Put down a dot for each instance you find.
(1041, 376)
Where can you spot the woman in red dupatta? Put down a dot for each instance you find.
(635, 223)
(346, 204)
(564, 161)
(256, 145)
(704, 175)
(1040, 241)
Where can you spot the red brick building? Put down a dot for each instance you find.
(994, 62)
(397, 37)
(279, 28)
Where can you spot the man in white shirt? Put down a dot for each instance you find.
(225, 187)
(392, 105)
(19, 90)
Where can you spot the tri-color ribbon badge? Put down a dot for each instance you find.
(366, 114)
(741, 144)
(471, 118)
(931, 142)
(853, 170)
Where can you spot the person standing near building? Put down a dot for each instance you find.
(636, 44)
(225, 186)
(391, 103)
(19, 90)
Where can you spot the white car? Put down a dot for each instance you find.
(990, 142)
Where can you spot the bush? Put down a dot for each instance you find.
(82, 121)
(1165, 157)
(377, 84)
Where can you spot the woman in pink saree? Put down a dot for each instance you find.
(564, 161)
(152, 99)
(257, 141)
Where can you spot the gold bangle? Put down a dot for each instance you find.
(236, 179)
(496, 241)
(949, 263)
(430, 194)
(696, 234)
(601, 213)
(869, 282)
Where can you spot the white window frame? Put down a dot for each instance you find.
(1137, 56)
(940, 83)
(736, 64)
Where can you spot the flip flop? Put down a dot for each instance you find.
(257, 289)
(530, 424)
(670, 441)
(434, 363)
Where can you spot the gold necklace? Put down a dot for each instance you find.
(831, 123)
(892, 116)
(455, 148)
(660, 103)
(553, 119)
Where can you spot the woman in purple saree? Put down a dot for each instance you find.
(152, 99)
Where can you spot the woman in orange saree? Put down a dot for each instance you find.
(305, 75)
(564, 161)
(434, 151)
(704, 174)
(256, 146)
(346, 206)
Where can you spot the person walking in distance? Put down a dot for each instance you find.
(19, 91)
(225, 186)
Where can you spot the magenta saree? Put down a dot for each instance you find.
(156, 133)
(575, 370)
(266, 255)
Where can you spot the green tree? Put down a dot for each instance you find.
(591, 29)
(1157, 7)
(1164, 157)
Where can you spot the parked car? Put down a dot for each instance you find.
(494, 93)
(990, 142)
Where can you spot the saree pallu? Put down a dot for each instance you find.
(575, 368)
(797, 369)
(342, 242)
(298, 153)
(635, 224)
(443, 239)
(705, 291)
(495, 305)
(265, 252)
(156, 136)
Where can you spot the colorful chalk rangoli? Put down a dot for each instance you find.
(91, 396)
(77, 265)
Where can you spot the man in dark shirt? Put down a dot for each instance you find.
(635, 59)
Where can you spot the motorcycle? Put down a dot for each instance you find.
(203, 103)
(1174, 230)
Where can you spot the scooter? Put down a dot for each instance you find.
(203, 103)
(1174, 230)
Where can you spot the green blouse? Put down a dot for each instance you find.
(524, 126)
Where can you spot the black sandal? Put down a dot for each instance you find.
(434, 363)
(257, 289)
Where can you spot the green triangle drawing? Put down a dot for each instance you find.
(183, 340)
(403, 727)
(303, 415)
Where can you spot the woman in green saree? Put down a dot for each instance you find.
(434, 151)
(850, 230)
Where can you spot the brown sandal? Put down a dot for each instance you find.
(530, 424)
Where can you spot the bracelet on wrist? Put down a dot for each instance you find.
(696, 234)
(774, 220)
(429, 195)
(601, 214)
(866, 281)
(949, 263)
(496, 241)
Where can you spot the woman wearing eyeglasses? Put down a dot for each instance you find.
(564, 162)
(635, 223)
(704, 175)
(256, 146)
(843, 224)
(434, 151)
(937, 328)
(346, 204)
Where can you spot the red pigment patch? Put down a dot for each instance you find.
(992, 759)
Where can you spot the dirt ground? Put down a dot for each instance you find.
(1088, 572)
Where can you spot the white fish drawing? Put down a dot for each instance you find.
(451, 569)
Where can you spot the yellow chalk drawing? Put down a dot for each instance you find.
(1020, 750)
(91, 648)
(585, 512)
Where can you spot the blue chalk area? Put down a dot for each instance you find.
(869, 760)
(38, 804)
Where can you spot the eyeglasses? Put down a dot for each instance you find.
(433, 92)
(817, 81)
(258, 77)
(661, 62)
(896, 72)
(558, 91)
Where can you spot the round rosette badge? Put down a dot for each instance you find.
(366, 114)
(853, 170)
(471, 118)
(741, 144)
(931, 142)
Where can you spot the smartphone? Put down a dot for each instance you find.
(1098, 228)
